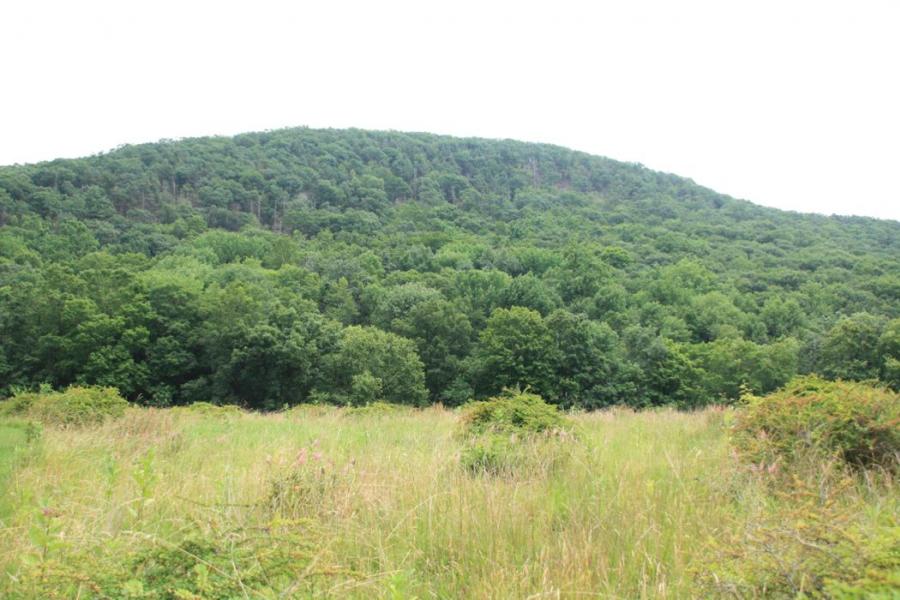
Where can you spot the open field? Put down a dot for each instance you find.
(331, 503)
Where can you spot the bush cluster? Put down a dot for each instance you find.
(513, 412)
(810, 539)
(76, 406)
(854, 422)
(811, 543)
(511, 433)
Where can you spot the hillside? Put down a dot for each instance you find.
(349, 266)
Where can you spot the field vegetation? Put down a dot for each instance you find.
(388, 502)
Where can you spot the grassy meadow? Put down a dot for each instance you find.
(335, 503)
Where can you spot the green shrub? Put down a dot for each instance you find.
(514, 433)
(76, 406)
(202, 566)
(513, 412)
(812, 541)
(854, 422)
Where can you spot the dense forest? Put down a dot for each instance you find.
(300, 265)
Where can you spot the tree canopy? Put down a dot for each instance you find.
(298, 265)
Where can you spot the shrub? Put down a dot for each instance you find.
(514, 433)
(513, 412)
(76, 406)
(854, 422)
(810, 542)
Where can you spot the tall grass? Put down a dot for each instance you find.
(335, 504)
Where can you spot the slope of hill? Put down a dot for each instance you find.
(347, 266)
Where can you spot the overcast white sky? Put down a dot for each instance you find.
(794, 104)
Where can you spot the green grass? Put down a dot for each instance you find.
(321, 503)
(11, 440)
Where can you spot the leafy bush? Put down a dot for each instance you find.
(855, 422)
(512, 433)
(811, 542)
(76, 406)
(513, 412)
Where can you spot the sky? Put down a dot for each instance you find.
(793, 104)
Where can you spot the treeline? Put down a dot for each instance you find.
(350, 266)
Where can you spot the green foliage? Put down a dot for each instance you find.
(365, 389)
(666, 372)
(230, 270)
(513, 434)
(371, 364)
(515, 349)
(850, 349)
(74, 407)
(513, 412)
(813, 544)
(730, 365)
(853, 422)
(889, 350)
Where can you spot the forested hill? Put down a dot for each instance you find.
(349, 266)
